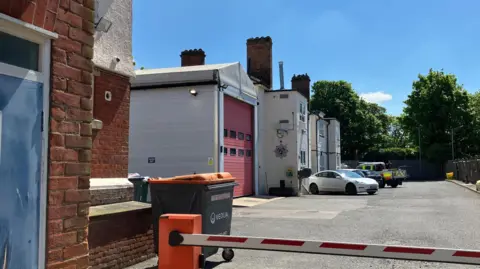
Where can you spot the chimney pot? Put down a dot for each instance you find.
(301, 83)
(193, 57)
(259, 59)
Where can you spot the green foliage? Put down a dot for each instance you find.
(363, 125)
(436, 106)
(391, 154)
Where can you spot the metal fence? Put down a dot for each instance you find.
(416, 169)
(467, 171)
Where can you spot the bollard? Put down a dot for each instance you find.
(184, 257)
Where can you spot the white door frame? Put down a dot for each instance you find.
(42, 37)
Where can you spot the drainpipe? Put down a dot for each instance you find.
(328, 145)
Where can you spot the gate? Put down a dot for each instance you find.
(179, 246)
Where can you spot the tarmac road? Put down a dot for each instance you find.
(434, 214)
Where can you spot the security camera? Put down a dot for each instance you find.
(117, 59)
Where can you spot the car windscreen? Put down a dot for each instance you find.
(349, 174)
(361, 173)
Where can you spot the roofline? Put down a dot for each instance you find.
(173, 85)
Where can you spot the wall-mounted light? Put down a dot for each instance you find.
(103, 25)
(193, 92)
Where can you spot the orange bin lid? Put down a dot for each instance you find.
(205, 179)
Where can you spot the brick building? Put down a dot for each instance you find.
(57, 129)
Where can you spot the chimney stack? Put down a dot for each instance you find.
(301, 83)
(259, 59)
(193, 57)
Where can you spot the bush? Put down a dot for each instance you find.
(391, 154)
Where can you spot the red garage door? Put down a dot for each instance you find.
(238, 144)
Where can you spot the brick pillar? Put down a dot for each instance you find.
(70, 123)
(301, 83)
(193, 57)
(259, 59)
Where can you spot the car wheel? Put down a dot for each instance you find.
(371, 192)
(351, 189)
(313, 188)
(394, 185)
(381, 184)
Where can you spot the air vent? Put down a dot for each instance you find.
(284, 96)
(284, 121)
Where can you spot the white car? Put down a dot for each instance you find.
(341, 181)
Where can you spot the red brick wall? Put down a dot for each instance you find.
(70, 123)
(122, 239)
(110, 144)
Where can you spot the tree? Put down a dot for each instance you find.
(397, 136)
(437, 105)
(362, 125)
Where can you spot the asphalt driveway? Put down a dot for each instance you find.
(435, 214)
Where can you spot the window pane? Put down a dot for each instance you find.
(233, 134)
(18, 52)
(248, 137)
(241, 152)
(225, 150)
(225, 132)
(241, 136)
(249, 153)
(233, 152)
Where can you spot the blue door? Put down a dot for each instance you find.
(21, 105)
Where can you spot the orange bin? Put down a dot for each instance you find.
(209, 195)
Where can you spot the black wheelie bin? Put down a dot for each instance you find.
(210, 195)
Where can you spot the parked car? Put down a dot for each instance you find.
(341, 180)
(391, 177)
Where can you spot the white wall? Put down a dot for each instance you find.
(174, 127)
(276, 109)
(318, 139)
(117, 42)
(334, 158)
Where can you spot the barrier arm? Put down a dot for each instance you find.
(178, 240)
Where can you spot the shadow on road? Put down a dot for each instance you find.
(211, 265)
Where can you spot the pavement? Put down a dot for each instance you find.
(254, 201)
(434, 214)
(469, 186)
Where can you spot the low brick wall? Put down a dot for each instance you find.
(110, 196)
(120, 235)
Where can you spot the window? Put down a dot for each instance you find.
(19, 52)
(241, 136)
(284, 96)
(233, 134)
(249, 153)
(225, 133)
(302, 112)
(241, 153)
(225, 150)
(233, 152)
(303, 159)
(321, 128)
(323, 174)
(331, 175)
(248, 137)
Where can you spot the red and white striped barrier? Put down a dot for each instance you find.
(444, 255)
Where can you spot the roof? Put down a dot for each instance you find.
(231, 74)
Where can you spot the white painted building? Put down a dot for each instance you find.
(324, 142)
(285, 134)
(195, 119)
(113, 36)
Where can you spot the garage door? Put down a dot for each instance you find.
(238, 144)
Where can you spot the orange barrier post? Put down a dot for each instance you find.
(179, 257)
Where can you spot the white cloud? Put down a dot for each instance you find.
(376, 97)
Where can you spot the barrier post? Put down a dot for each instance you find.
(184, 257)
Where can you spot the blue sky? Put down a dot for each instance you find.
(380, 46)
